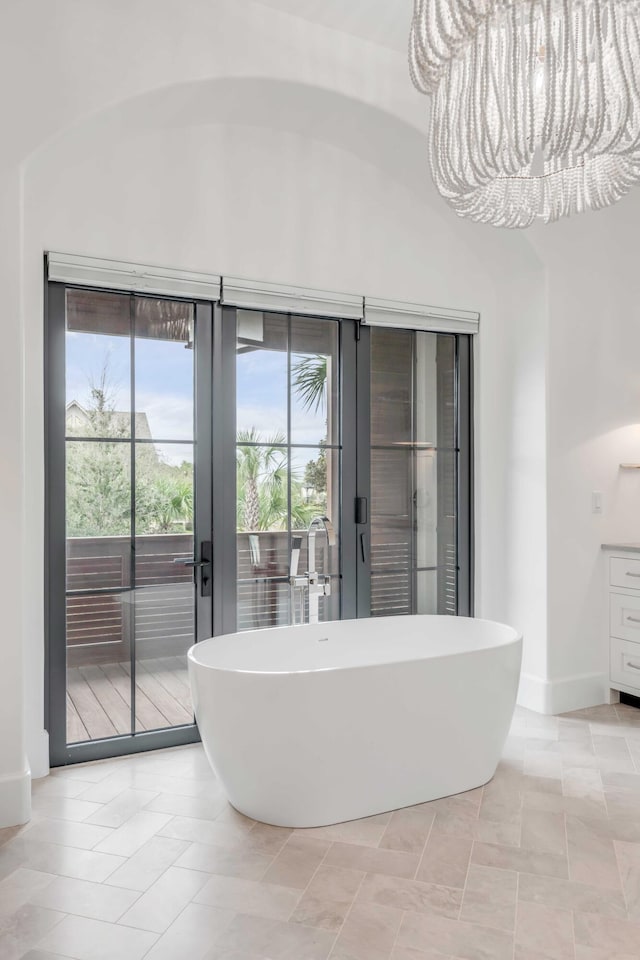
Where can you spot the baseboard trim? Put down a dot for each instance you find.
(38, 753)
(15, 799)
(563, 696)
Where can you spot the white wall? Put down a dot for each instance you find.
(231, 138)
(594, 425)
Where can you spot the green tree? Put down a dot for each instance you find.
(262, 494)
(310, 381)
(98, 497)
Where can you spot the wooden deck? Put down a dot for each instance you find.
(99, 698)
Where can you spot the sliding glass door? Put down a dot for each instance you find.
(191, 452)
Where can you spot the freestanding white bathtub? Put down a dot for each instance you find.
(317, 724)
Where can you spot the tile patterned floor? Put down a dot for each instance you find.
(143, 858)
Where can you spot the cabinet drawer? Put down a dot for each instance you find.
(624, 572)
(624, 617)
(625, 663)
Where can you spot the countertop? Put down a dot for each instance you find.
(626, 547)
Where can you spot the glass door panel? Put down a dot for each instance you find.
(414, 466)
(288, 460)
(131, 598)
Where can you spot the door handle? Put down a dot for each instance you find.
(206, 559)
(363, 547)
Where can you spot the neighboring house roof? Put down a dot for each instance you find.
(76, 415)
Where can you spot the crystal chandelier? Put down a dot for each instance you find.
(535, 108)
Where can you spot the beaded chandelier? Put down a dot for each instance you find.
(535, 104)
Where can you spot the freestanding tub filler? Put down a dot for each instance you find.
(317, 724)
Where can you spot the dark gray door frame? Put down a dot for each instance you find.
(55, 533)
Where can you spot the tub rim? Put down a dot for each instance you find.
(515, 638)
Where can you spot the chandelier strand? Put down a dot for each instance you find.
(535, 108)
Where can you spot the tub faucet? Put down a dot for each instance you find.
(317, 584)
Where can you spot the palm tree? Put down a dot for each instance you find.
(262, 490)
(261, 468)
(310, 381)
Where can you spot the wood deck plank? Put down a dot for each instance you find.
(174, 713)
(118, 711)
(90, 710)
(99, 698)
(148, 717)
(177, 686)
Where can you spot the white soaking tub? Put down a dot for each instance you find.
(317, 724)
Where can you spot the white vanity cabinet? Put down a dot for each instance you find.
(623, 595)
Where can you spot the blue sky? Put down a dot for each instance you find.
(164, 389)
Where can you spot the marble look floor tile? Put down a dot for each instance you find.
(157, 907)
(446, 859)
(408, 953)
(67, 832)
(85, 899)
(634, 751)
(24, 928)
(617, 936)
(490, 897)
(96, 940)
(461, 805)
(42, 955)
(67, 861)
(411, 895)
(248, 896)
(266, 839)
(592, 858)
(229, 863)
(583, 783)
(320, 912)
(335, 883)
(65, 808)
(147, 864)
(592, 953)
(501, 802)
(522, 861)
(615, 828)
(544, 832)
(275, 940)
(538, 763)
(628, 856)
(455, 938)
(622, 803)
(544, 932)
(179, 806)
(194, 935)
(368, 933)
(610, 747)
(492, 831)
(627, 781)
(552, 803)
(56, 787)
(204, 831)
(408, 830)
(569, 895)
(20, 886)
(393, 863)
(541, 784)
(121, 808)
(367, 832)
(297, 862)
(128, 838)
